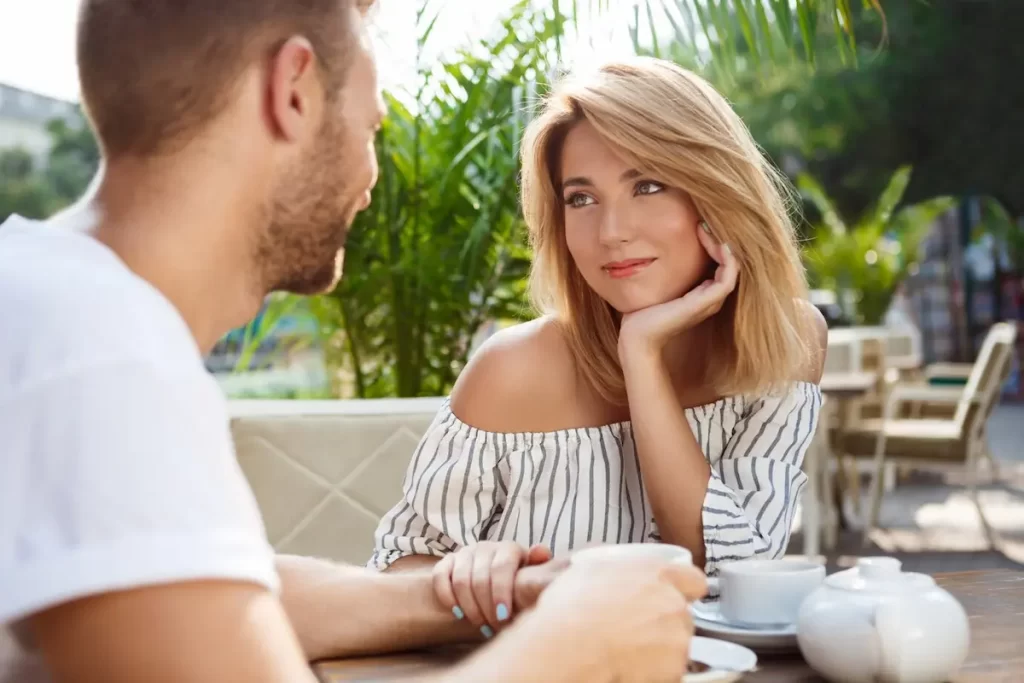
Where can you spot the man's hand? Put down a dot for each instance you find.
(191, 632)
(532, 580)
(631, 619)
(624, 621)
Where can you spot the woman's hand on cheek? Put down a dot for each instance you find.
(645, 332)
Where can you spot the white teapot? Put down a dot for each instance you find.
(876, 623)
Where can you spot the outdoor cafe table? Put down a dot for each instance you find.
(993, 599)
(843, 388)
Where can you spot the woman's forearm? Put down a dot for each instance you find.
(675, 471)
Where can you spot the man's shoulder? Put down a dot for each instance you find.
(65, 272)
(119, 465)
(65, 305)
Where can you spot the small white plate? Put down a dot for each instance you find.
(728, 661)
(710, 622)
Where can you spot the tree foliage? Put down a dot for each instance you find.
(442, 248)
(865, 260)
(37, 190)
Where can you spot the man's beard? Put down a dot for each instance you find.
(301, 247)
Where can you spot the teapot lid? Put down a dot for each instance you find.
(879, 575)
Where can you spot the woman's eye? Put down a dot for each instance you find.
(577, 200)
(649, 187)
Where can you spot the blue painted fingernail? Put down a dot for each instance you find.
(487, 631)
(705, 227)
(727, 248)
(502, 612)
(457, 611)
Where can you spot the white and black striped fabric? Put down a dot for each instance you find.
(579, 487)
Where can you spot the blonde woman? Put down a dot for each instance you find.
(669, 392)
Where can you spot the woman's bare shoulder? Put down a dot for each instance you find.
(522, 379)
(817, 344)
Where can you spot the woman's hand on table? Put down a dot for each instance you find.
(482, 584)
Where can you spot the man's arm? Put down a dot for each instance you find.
(191, 632)
(413, 563)
(340, 611)
(343, 611)
(138, 552)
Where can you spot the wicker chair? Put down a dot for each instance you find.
(955, 442)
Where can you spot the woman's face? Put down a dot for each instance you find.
(633, 238)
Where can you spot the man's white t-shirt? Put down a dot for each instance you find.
(117, 468)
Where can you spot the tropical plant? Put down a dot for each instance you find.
(933, 99)
(731, 32)
(441, 250)
(866, 260)
(264, 339)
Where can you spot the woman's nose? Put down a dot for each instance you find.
(615, 228)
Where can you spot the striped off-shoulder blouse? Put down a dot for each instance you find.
(577, 487)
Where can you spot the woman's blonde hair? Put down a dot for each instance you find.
(671, 123)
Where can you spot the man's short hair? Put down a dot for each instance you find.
(153, 72)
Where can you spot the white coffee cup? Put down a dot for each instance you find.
(631, 552)
(765, 592)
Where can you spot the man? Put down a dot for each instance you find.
(237, 138)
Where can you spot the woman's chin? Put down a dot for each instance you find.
(632, 305)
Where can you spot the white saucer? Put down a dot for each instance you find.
(710, 622)
(728, 661)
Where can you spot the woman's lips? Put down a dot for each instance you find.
(624, 269)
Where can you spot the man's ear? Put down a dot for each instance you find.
(295, 94)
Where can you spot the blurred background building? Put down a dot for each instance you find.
(25, 117)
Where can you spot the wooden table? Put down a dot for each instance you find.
(994, 601)
(844, 385)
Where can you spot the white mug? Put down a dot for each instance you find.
(632, 552)
(765, 592)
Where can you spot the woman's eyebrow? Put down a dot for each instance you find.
(578, 181)
(581, 181)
